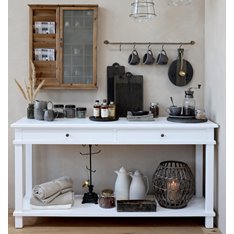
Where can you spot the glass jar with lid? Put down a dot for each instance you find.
(107, 199)
(81, 112)
(70, 111)
(59, 110)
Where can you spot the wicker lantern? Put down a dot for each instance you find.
(173, 184)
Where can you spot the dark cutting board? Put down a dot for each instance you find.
(113, 71)
(128, 93)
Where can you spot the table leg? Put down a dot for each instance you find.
(28, 169)
(198, 170)
(209, 196)
(18, 185)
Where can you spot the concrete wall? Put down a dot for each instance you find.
(215, 94)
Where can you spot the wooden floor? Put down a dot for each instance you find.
(60, 225)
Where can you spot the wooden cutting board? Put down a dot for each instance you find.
(113, 71)
(128, 93)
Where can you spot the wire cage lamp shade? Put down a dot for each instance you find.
(142, 9)
(173, 184)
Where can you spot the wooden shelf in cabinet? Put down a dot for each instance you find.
(44, 44)
(46, 70)
(38, 37)
(45, 18)
(44, 41)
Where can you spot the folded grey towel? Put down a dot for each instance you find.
(62, 199)
(48, 191)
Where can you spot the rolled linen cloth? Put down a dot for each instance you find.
(48, 191)
(63, 199)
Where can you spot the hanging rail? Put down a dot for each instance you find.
(106, 42)
(147, 43)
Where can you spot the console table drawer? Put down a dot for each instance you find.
(165, 136)
(66, 136)
(113, 136)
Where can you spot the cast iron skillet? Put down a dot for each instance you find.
(175, 68)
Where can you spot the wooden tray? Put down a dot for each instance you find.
(136, 205)
(186, 120)
(101, 120)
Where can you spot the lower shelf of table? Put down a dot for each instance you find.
(195, 208)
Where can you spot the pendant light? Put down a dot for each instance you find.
(178, 2)
(142, 9)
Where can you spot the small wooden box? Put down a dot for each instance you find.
(136, 205)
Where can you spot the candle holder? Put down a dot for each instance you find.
(173, 184)
(90, 196)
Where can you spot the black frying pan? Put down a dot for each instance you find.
(178, 65)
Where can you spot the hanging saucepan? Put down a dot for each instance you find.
(180, 71)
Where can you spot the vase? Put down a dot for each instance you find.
(30, 111)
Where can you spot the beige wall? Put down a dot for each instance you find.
(171, 24)
(215, 94)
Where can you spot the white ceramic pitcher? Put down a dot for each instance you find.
(138, 190)
(122, 184)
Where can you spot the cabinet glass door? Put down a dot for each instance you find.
(79, 47)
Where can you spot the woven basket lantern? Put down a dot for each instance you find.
(173, 184)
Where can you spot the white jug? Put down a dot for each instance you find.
(122, 184)
(138, 190)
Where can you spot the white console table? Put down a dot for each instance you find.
(122, 132)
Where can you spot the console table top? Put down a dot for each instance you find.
(158, 123)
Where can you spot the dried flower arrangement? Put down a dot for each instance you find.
(30, 91)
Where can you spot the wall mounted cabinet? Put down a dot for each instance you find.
(63, 45)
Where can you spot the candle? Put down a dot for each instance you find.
(173, 186)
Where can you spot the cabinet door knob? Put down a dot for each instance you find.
(67, 135)
(162, 135)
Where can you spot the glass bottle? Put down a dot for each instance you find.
(96, 109)
(104, 110)
(154, 109)
(111, 110)
(189, 103)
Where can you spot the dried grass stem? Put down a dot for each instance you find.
(30, 92)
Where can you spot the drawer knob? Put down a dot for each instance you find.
(162, 135)
(67, 135)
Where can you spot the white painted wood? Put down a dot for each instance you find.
(209, 222)
(195, 208)
(209, 186)
(159, 123)
(199, 170)
(18, 222)
(84, 131)
(28, 169)
(18, 185)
